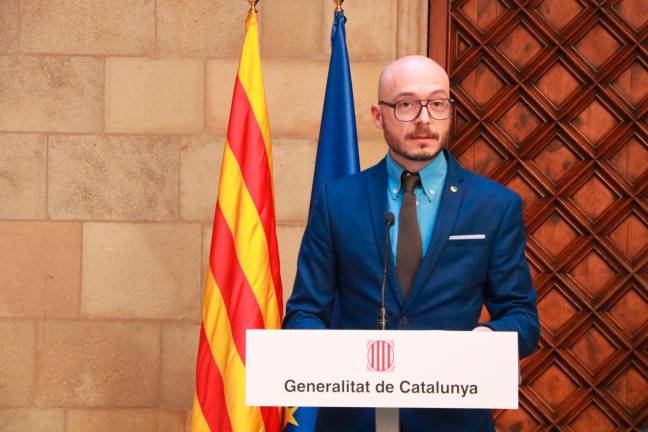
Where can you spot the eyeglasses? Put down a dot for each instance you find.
(409, 110)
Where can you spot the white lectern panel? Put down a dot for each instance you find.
(372, 368)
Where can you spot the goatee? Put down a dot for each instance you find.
(424, 156)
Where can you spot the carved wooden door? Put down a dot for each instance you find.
(552, 100)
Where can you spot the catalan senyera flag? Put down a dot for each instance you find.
(243, 285)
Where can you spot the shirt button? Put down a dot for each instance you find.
(403, 320)
(394, 190)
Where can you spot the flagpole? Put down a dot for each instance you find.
(338, 5)
(253, 4)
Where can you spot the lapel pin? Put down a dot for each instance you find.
(454, 188)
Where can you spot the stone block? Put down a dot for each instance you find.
(32, 420)
(17, 357)
(23, 169)
(172, 421)
(295, 92)
(370, 29)
(123, 27)
(294, 163)
(281, 39)
(289, 238)
(97, 364)
(138, 420)
(200, 164)
(200, 28)
(412, 27)
(113, 177)
(40, 269)
(372, 151)
(141, 271)
(219, 85)
(207, 231)
(365, 93)
(178, 370)
(52, 94)
(295, 96)
(154, 95)
(9, 13)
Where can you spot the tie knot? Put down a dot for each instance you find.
(410, 180)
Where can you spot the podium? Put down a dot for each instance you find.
(383, 369)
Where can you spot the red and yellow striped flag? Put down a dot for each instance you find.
(243, 285)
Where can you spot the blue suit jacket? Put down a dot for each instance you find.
(342, 252)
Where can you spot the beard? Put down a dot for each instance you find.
(417, 154)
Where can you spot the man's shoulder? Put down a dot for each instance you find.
(356, 181)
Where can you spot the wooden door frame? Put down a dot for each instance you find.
(438, 22)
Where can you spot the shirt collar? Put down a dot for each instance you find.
(432, 176)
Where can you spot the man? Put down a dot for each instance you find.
(457, 243)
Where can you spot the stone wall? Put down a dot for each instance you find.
(112, 123)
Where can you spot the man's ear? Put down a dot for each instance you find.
(376, 116)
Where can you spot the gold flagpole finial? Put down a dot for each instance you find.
(253, 4)
(338, 5)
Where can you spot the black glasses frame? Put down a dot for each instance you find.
(420, 101)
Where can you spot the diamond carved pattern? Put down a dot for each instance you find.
(480, 157)
(504, 51)
(594, 122)
(518, 122)
(516, 420)
(460, 120)
(554, 235)
(632, 84)
(592, 419)
(556, 310)
(592, 273)
(631, 311)
(482, 13)
(632, 159)
(597, 46)
(554, 386)
(481, 84)
(519, 185)
(630, 236)
(594, 197)
(559, 13)
(634, 12)
(520, 46)
(558, 84)
(555, 160)
(462, 44)
(593, 349)
(630, 388)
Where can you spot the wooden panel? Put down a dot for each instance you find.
(552, 101)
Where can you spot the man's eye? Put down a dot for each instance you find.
(438, 104)
(405, 104)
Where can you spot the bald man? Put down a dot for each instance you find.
(457, 243)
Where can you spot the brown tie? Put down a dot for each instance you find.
(409, 245)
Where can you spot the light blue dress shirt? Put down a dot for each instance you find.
(428, 197)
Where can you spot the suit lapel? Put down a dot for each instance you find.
(453, 191)
(377, 194)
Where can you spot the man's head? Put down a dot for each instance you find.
(412, 78)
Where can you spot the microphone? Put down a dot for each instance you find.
(382, 313)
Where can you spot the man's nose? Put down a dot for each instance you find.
(424, 116)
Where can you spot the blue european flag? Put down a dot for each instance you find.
(337, 156)
(337, 150)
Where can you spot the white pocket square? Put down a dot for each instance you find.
(468, 237)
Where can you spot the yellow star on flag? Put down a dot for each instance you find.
(289, 418)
